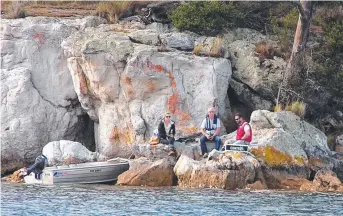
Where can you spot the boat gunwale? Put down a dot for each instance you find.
(55, 168)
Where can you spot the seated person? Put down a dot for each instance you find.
(166, 132)
(244, 132)
(210, 129)
(40, 163)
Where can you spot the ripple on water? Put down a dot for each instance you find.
(19, 199)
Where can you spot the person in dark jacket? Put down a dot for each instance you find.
(40, 163)
(166, 132)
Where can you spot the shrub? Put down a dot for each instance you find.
(330, 74)
(204, 17)
(266, 51)
(288, 24)
(297, 107)
(112, 10)
(333, 33)
(278, 108)
(329, 54)
(16, 10)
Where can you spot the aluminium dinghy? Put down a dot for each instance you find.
(83, 173)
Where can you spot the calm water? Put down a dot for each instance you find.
(19, 199)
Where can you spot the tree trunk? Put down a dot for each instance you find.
(291, 77)
(300, 39)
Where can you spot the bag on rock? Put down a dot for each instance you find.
(154, 140)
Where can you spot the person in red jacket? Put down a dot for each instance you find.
(244, 132)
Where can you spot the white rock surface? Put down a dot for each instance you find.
(126, 87)
(38, 100)
(69, 152)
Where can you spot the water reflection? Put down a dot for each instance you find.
(19, 199)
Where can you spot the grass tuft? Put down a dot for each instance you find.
(112, 10)
(16, 10)
(297, 107)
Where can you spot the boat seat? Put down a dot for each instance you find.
(238, 148)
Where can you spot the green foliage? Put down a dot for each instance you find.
(329, 54)
(330, 74)
(291, 19)
(288, 25)
(274, 24)
(204, 17)
(333, 33)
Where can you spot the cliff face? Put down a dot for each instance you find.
(38, 101)
(49, 90)
(126, 86)
(107, 86)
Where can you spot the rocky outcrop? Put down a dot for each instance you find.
(124, 77)
(226, 171)
(290, 149)
(15, 177)
(66, 152)
(324, 180)
(262, 78)
(144, 172)
(39, 103)
(160, 151)
(126, 86)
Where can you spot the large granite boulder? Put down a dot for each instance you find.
(289, 148)
(39, 103)
(226, 171)
(65, 152)
(144, 172)
(126, 86)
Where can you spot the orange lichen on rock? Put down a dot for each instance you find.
(151, 85)
(273, 157)
(172, 79)
(114, 135)
(299, 160)
(189, 130)
(173, 101)
(15, 177)
(158, 68)
(185, 116)
(127, 80)
(123, 135)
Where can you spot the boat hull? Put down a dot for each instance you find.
(95, 172)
